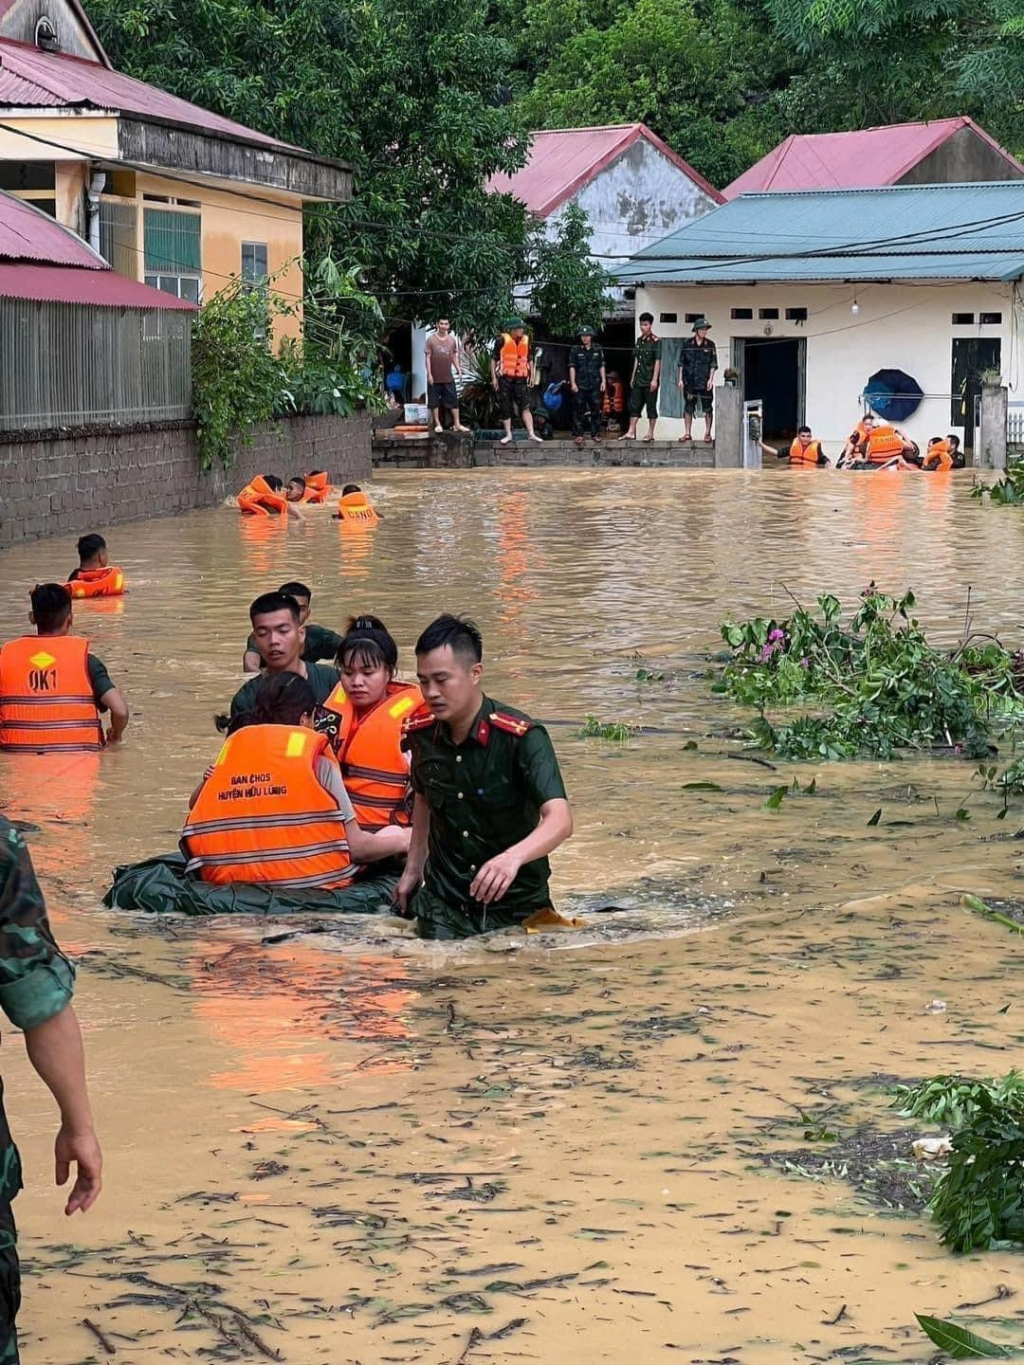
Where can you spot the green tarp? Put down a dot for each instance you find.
(159, 886)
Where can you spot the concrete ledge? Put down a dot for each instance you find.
(462, 452)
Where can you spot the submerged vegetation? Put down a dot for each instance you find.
(1009, 490)
(871, 687)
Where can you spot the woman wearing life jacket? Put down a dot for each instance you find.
(273, 808)
(95, 575)
(355, 509)
(265, 496)
(363, 717)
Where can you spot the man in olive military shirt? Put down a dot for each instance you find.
(281, 639)
(644, 381)
(587, 379)
(490, 804)
(321, 643)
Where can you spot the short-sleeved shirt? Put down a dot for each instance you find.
(100, 679)
(647, 352)
(485, 795)
(321, 643)
(322, 679)
(442, 352)
(587, 361)
(36, 979)
(697, 363)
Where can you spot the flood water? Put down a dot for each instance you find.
(348, 1146)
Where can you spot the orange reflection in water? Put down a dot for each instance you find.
(279, 1007)
(515, 561)
(264, 542)
(356, 550)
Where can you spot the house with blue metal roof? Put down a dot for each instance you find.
(811, 293)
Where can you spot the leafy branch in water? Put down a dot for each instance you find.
(616, 730)
(1008, 491)
(872, 687)
(953, 1100)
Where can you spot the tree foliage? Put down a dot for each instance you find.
(570, 292)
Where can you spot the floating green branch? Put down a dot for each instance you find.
(616, 730)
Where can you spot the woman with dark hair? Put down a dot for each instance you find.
(363, 718)
(273, 808)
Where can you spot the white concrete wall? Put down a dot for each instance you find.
(897, 327)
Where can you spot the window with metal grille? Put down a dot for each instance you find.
(119, 235)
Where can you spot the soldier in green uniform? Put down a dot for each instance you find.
(281, 639)
(490, 804)
(643, 384)
(588, 380)
(36, 985)
(321, 643)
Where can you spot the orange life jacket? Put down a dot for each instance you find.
(108, 582)
(318, 487)
(355, 509)
(614, 397)
(939, 456)
(515, 356)
(369, 747)
(883, 444)
(259, 499)
(805, 454)
(46, 700)
(263, 816)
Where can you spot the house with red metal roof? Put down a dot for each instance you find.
(80, 343)
(950, 151)
(170, 194)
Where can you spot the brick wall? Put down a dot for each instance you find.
(62, 482)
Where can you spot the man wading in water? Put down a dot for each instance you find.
(490, 804)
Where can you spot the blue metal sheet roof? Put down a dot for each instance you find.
(916, 232)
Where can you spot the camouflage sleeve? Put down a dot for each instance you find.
(36, 979)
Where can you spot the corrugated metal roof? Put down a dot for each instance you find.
(563, 160)
(28, 234)
(68, 284)
(74, 81)
(856, 160)
(973, 231)
(16, 90)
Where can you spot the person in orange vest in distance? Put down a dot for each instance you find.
(805, 450)
(938, 457)
(52, 690)
(355, 509)
(273, 809)
(510, 376)
(265, 496)
(856, 442)
(318, 486)
(886, 444)
(363, 718)
(95, 575)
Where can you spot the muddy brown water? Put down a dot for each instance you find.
(346, 1146)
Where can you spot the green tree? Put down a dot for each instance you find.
(569, 287)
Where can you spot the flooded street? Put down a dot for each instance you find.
(349, 1146)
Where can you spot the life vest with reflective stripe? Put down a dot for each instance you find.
(259, 499)
(318, 487)
(46, 700)
(515, 356)
(883, 444)
(262, 815)
(108, 582)
(939, 456)
(355, 509)
(369, 748)
(806, 454)
(614, 397)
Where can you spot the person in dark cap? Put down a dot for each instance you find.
(588, 380)
(698, 365)
(510, 375)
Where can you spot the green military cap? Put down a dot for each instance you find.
(513, 323)
(702, 325)
(587, 332)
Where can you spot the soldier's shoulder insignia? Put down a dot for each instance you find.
(418, 720)
(512, 725)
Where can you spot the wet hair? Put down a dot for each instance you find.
(351, 488)
(955, 440)
(647, 317)
(90, 546)
(368, 642)
(51, 606)
(934, 440)
(458, 632)
(281, 699)
(313, 473)
(803, 431)
(273, 482)
(297, 478)
(274, 601)
(296, 589)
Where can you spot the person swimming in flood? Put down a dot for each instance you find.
(321, 643)
(355, 508)
(95, 576)
(266, 496)
(273, 809)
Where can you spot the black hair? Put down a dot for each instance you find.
(351, 488)
(90, 546)
(800, 430)
(51, 606)
(281, 699)
(933, 440)
(457, 631)
(296, 478)
(368, 642)
(954, 439)
(273, 482)
(296, 589)
(274, 601)
(313, 473)
(647, 317)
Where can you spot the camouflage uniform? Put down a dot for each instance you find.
(36, 983)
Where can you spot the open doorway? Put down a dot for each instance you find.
(772, 369)
(973, 358)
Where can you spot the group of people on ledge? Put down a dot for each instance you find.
(874, 444)
(330, 773)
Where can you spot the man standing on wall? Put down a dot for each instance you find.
(643, 385)
(510, 375)
(442, 356)
(587, 379)
(698, 364)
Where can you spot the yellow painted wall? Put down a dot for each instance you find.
(92, 135)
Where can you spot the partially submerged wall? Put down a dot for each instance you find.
(63, 482)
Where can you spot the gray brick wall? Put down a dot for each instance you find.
(61, 482)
